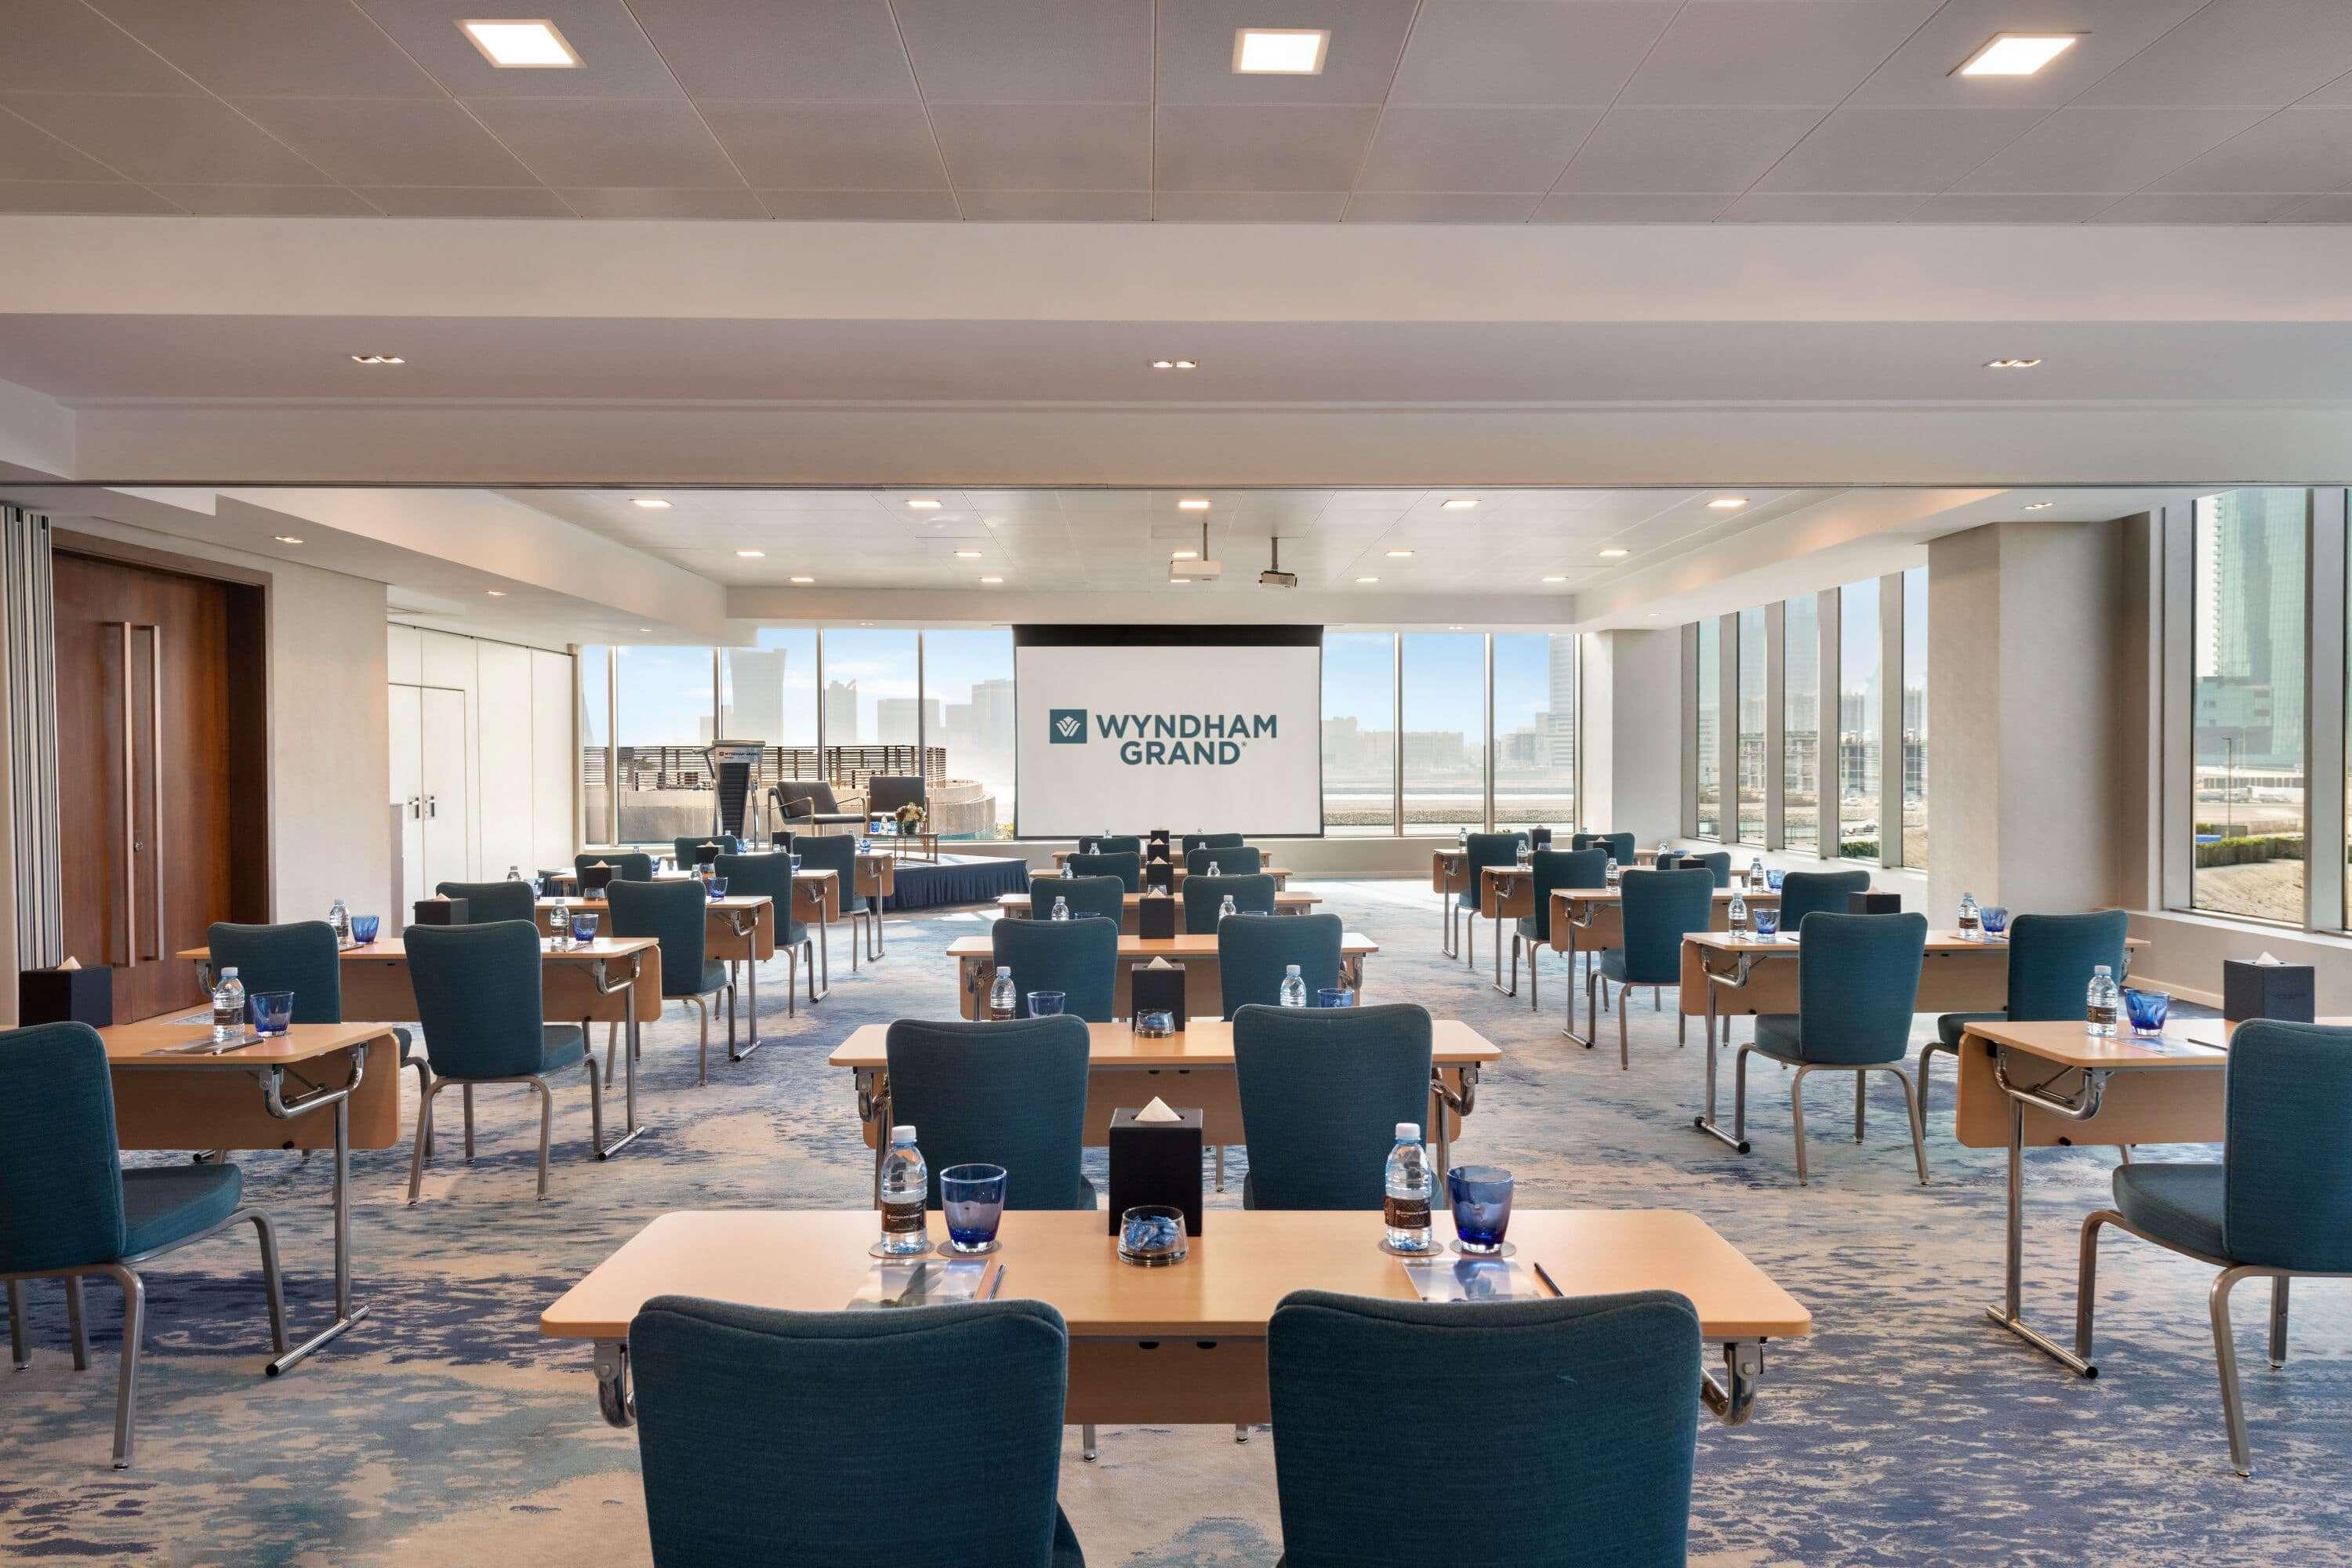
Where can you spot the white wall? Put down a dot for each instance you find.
(519, 728)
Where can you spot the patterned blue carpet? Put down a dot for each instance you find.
(1907, 1430)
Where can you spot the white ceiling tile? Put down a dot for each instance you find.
(2296, 149)
(1250, 207)
(615, 60)
(1511, 51)
(1273, 147)
(194, 141)
(1442, 206)
(1196, 50)
(612, 142)
(1029, 51)
(841, 50)
(237, 47)
(1921, 71)
(389, 140)
(2079, 149)
(63, 46)
(2014, 207)
(2172, 206)
(466, 201)
(1891, 148)
(642, 201)
(29, 152)
(1055, 206)
(1480, 147)
(1772, 51)
(1046, 146)
(2257, 53)
(79, 197)
(268, 201)
(1579, 207)
(827, 146)
(1820, 206)
(860, 205)
(1647, 148)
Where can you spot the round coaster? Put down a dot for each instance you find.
(949, 1249)
(878, 1250)
(1508, 1251)
(1433, 1250)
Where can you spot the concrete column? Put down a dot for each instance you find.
(1632, 687)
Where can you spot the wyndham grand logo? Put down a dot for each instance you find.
(1067, 725)
(1164, 739)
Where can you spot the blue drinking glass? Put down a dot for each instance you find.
(2147, 1009)
(1047, 1004)
(796, 863)
(273, 1011)
(1995, 919)
(364, 927)
(972, 1199)
(1768, 922)
(1772, 876)
(583, 925)
(716, 886)
(1482, 1206)
(1335, 997)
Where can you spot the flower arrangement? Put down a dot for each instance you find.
(910, 817)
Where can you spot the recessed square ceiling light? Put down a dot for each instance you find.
(1614, 554)
(1460, 503)
(1280, 51)
(651, 503)
(1400, 554)
(1184, 555)
(923, 503)
(805, 582)
(291, 539)
(2011, 363)
(992, 578)
(496, 593)
(967, 555)
(644, 628)
(2029, 505)
(1368, 579)
(1555, 578)
(1192, 503)
(1727, 503)
(521, 45)
(377, 359)
(2017, 54)
(753, 554)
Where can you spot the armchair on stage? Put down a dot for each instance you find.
(808, 805)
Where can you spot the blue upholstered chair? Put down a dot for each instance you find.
(763, 1435)
(1011, 1094)
(676, 915)
(1322, 1089)
(1588, 1404)
(2050, 962)
(1716, 863)
(1188, 842)
(1078, 958)
(478, 998)
(1858, 976)
(2279, 1204)
(1112, 844)
(837, 853)
(1204, 896)
(1657, 909)
(1126, 865)
(1230, 859)
(488, 901)
(1808, 892)
(1253, 951)
(1483, 849)
(628, 866)
(1551, 868)
(71, 1210)
(1103, 896)
(1619, 845)
(299, 956)
(770, 876)
(683, 850)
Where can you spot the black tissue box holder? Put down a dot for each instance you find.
(2280, 991)
(1157, 991)
(1156, 1162)
(1157, 850)
(442, 911)
(780, 840)
(1160, 874)
(1873, 903)
(706, 854)
(594, 879)
(1155, 916)
(66, 995)
(1158, 835)
(1538, 837)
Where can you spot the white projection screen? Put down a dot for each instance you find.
(1194, 729)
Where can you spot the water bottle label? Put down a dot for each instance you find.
(902, 1218)
(2103, 1017)
(225, 1015)
(1407, 1213)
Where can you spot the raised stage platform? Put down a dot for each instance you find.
(956, 880)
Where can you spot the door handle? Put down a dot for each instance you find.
(433, 806)
(131, 843)
(415, 807)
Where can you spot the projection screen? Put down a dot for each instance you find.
(1124, 728)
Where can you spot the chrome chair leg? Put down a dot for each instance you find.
(1739, 1094)
(79, 1324)
(546, 1128)
(1796, 1116)
(1919, 1123)
(425, 1139)
(702, 1057)
(1220, 1167)
(273, 1284)
(1086, 1442)
(2087, 1281)
(1624, 1056)
(126, 1388)
(2225, 1353)
(1926, 1053)
(1860, 1100)
(1534, 966)
(1241, 1432)
(2278, 1320)
(423, 1080)
(595, 1109)
(469, 1123)
(20, 1352)
(612, 1033)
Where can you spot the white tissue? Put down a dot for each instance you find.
(70, 962)
(2267, 958)
(1159, 963)
(1157, 1111)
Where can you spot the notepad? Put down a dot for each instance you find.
(927, 1281)
(1473, 1280)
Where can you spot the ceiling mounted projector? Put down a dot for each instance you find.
(1199, 571)
(1274, 576)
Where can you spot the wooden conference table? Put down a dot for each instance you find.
(1281, 874)
(609, 980)
(1449, 877)
(1593, 920)
(173, 1090)
(1016, 905)
(1194, 1068)
(975, 959)
(1181, 1345)
(738, 928)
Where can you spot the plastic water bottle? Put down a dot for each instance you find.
(1756, 871)
(1411, 1185)
(1294, 988)
(228, 1007)
(1611, 874)
(999, 995)
(338, 920)
(1226, 907)
(514, 873)
(1737, 919)
(1213, 869)
(1527, 852)
(1061, 909)
(1663, 850)
(905, 1181)
(2100, 1006)
(1971, 918)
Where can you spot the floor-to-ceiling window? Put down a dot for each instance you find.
(1707, 734)
(662, 705)
(1358, 732)
(593, 726)
(2246, 703)
(967, 676)
(1443, 736)
(1535, 729)
(1748, 783)
(1801, 723)
(1861, 715)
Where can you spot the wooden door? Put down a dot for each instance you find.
(162, 777)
